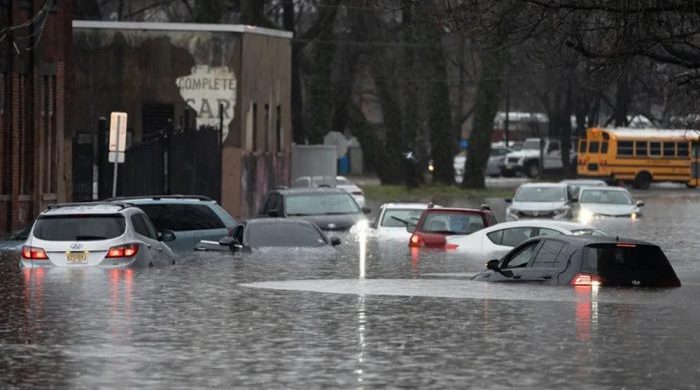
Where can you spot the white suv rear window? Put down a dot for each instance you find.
(83, 227)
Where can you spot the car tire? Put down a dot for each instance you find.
(642, 181)
(532, 169)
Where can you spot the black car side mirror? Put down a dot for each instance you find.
(640, 203)
(366, 210)
(508, 200)
(493, 266)
(273, 213)
(166, 235)
(230, 242)
(335, 241)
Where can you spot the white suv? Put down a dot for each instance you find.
(111, 235)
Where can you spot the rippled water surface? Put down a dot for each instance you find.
(291, 321)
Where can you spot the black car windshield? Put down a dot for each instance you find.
(283, 235)
(82, 227)
(541, 194)
(320, 204)
(605, 196)
(394, 217)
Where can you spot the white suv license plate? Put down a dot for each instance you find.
(77, 257)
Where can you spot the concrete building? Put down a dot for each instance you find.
(174, 78)
(35, 47)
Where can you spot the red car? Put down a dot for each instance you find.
(437, 223)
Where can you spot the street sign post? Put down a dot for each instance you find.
(117, 144)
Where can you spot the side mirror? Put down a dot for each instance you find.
(335, 241)
(230, 242)
(366, 210)
(640, 203)
(508, 200)
(573, 199)
(166, 235)
(492, 265)
(410, 228)
(273, 213)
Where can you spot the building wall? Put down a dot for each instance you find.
(257, 158)
(33, 73)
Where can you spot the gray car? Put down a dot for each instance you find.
(541, 200)
(606, 202)
(193, 218)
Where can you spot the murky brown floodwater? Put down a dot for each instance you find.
(416, 321)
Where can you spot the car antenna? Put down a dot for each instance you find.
(617, 238)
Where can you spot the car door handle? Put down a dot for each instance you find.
(516, 276)
(159, 248)
(547, 277)
(149, 246)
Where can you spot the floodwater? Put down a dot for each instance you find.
(415, 320)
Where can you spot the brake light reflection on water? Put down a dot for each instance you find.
(586, 311)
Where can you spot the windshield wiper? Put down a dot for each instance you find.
(403, 221)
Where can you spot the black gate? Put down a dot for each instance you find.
(187, 162)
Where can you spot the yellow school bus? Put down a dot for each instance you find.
(640, 156)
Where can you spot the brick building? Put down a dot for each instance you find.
(35, 46)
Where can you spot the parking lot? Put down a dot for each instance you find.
(217, 319)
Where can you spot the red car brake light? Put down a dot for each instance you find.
(583, 279)
(33, 253)
(128, 250)
(416, 241)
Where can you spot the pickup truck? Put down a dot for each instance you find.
(527, 160)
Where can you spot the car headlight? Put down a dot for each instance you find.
(564, 211)
(512, 212)
(585, 216)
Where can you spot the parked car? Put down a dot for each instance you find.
(437, 223)
(393, 218)
(343, 183)
(540, 200)
(609, 202)
(497, 240)
(493, 166)
(192, 217)
(329, 208)
(583, 261)
(112, 235)
(12, 246)
(263, 234)
(575, 185)
(527, 160)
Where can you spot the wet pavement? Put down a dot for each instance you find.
(415, 320)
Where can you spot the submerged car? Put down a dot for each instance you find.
(540, 200)
(435, 224)
(107, 235)
(583, 261)
(393, 218)
(329, 208)
(497, 240)
(575, 185)
(344, 184)
(191, 217)
(608, 202)
(273, 234)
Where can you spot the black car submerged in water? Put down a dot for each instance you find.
(583, 261)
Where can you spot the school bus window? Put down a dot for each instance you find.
(624, 148)
(682, 149)
(640, 148)
(669, 149)
(582, 147)
(593, 147)
(655, 149)
(604, 148)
